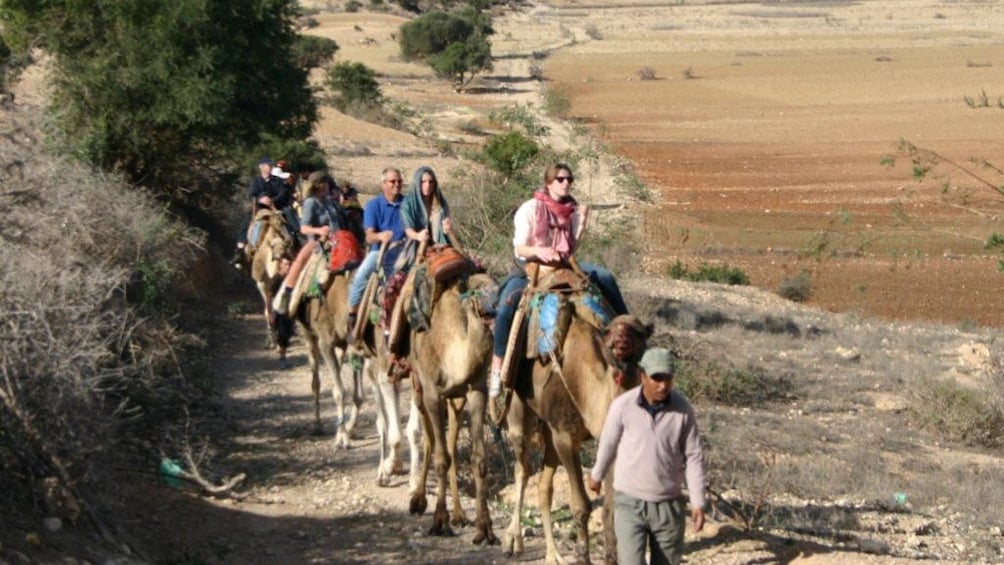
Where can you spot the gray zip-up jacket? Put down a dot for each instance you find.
(653, 452)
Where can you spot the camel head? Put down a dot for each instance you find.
(281, 247)
(627, 337)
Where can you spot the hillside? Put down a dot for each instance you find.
(826, 447)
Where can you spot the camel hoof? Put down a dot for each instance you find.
(283, 364)
(418, 505)
(442, 530)
(486, 538)
(513, 546)
(460, 521)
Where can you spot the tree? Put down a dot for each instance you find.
(455, 44)
(356, 84)
(158, 89)
(462, 60)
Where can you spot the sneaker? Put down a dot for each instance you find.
(281, 303)
(495, 385)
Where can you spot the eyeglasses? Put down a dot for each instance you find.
(569, 180)
(393, 181)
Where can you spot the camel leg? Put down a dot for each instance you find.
(357, 394)
(313, 354)
(412, 431)
(387, 394)
(455, 409)
(434, 409)
(476, 400)
(266, 296)
(568, 451)
(338, 393)
(419, 502)
(609, 536)
(381, 425)
(545, 497)
(519, 422)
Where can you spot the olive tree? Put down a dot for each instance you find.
(455, 43)
(157, 89)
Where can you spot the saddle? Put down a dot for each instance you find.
(545, 313)
(410, 298)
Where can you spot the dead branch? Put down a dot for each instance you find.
(223, 490)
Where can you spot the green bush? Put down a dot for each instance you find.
(995, 241)
(971, 416)
(509, 153)
(310, 51)
(723, 274)
(797, 288)
(729, 385)
(355, 84)
(520, 116)
(557, 102)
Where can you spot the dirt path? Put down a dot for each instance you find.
(307, 503)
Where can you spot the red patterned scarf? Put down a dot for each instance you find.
(554, 223)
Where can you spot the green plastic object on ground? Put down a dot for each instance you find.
(170, 472)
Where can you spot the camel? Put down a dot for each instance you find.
(272, 244)
(324, 321)
(566, 397)
(450, 362)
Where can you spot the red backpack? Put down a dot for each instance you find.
(346, 253)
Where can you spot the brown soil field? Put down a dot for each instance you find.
(767, 133)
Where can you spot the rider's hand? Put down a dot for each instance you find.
(595, 485)
(325, 231)
(385, 236)
(423, 235)
(546, 254)
(448, 225)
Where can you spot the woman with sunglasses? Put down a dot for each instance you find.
(548, 228)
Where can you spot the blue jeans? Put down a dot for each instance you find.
(657, 525)
(509, 295)
(367, 268)
(605, 280)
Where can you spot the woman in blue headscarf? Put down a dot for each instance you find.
(425, 213)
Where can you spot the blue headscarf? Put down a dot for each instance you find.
(416, 216)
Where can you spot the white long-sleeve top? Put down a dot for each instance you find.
(524, 220)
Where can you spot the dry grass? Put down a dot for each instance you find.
(82, 369)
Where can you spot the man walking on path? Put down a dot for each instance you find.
(652, 432)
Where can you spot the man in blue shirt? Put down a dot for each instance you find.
(382, 224)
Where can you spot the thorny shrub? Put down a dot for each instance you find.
(81, 368)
